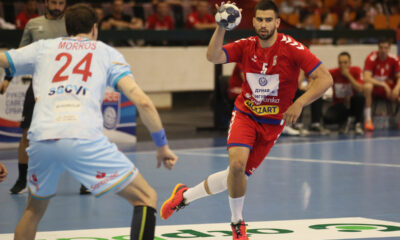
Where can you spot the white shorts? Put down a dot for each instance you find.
(97, 164)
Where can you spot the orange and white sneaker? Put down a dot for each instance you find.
(369, 126)
(175, 202)
(239, 231)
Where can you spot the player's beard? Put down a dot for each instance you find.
(268, 36)
(55, 13)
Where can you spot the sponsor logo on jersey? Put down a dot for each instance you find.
(262, 81)
(34, 181)
(262, 110)
(100, 175)
(68, 89)
(104, 181)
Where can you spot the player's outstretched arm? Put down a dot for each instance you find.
(151, 119)
(3, 172)
(321, 81)
(4, 61)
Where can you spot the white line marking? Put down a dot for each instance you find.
(288, 159)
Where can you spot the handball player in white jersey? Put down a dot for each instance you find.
(271, 64)
(69, 79)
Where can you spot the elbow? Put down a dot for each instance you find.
(210, 57)
(144, 104)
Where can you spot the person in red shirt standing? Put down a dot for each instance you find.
(161, 20)
(382, 79)
(30, 12)
(201, 18)
(271, 64)
(348, 99)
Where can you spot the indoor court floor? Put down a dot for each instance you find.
(330, 187)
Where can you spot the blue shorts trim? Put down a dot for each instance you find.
(122, 180)
(226, 54)
(312, 70)
(10, 61)
(39, 197)
(239, 145)
(262, 120)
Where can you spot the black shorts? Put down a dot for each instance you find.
(27, 111)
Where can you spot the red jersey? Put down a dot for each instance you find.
(194, 18)
(342, 87)
(270, 74)
(382, 70)
(154, 22)
(235, 81)
(22, 19)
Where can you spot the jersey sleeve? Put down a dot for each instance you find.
(304, 58)
(369, 63)
(234, 50)
(118, 68)
(358, 75)
(23, 60)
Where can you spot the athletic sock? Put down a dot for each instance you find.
(216, 183)
(143, 223)
(236, 205)
(367, 114)
(195, 193)
(22, 171)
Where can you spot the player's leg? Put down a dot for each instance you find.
(102, 168)
(27, 225)
(144, 200)
(44, 171)
(20, 184)
(182, 195)
(368, 89)
(237, 182)
(27, 112)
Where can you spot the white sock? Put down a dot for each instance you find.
(236, 205)
(217, 183)
(367, 114)
(194, 193)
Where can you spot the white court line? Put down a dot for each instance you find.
(303, 160)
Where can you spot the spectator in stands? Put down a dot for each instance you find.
(100, 17)
(29, 12)
(6, 25)
(201, 18)
(291, 6)
(326, 24)
(161, 20)
(119, 20)
(362, 21)
(382, 79)
(306, 21)
(348, 99)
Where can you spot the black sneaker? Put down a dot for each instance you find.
(19, 187)
(84, 190)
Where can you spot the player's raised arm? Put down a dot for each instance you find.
(321, 81)
(151, 119)
(215, 54)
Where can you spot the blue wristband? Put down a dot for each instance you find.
(159, 138)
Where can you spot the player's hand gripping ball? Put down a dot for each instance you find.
(228, 16)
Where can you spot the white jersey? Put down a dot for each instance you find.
(70, 76)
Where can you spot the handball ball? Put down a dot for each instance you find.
(228, 16)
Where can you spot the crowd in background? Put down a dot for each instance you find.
(198, 14)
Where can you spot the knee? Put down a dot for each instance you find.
(368, 88)
(237, 166)
(150, 198)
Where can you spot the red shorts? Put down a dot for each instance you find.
(259, 137)
(379, 91)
